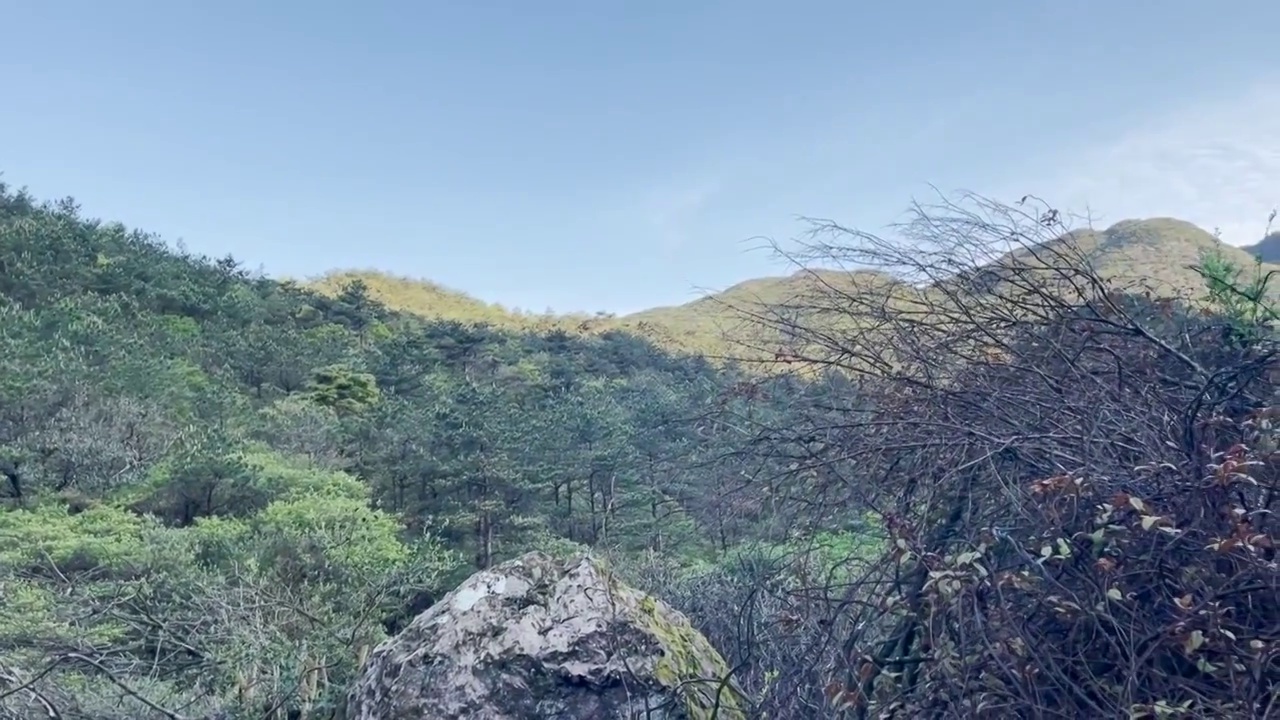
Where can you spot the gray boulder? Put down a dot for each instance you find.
(541, 638)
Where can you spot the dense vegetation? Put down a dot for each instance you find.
(1000, 489)
(222, 489)
(1078, 485)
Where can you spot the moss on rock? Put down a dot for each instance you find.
(689, 666)
(540, 637)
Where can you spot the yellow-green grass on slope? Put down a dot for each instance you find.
(432, 300)
(1153, 255)
(1157, 255)
(699, 327)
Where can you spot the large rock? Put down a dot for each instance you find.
(540, 638)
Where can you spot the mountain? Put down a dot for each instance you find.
(1268, 248)
(699, 327)
(1155, 255)
(716, 325)
(429, 299)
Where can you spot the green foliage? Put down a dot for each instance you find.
(343, 389)
(218, 489)
(285, 479)
(301, 584)
(1248, 302)
(828, 556)
(100, 537)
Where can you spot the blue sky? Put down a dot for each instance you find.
(609, 155)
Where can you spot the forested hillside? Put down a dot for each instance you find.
(1017, 490)
(218, 481)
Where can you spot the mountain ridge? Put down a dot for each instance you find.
(1267, 249)
(1154, 255)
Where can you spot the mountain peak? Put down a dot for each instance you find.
(1268, 248)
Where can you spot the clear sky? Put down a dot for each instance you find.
(610, 155)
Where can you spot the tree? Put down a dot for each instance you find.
(268, 612)
(342, 388)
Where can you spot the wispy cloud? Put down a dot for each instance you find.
(1216, 164)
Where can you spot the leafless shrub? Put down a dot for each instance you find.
(1077, 481)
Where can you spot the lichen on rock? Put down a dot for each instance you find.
(537, 637)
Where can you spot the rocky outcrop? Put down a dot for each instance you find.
(542, 638)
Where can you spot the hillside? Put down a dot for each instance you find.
(429, 299)
(1154, 255)
(1268, 248)
(219, 491)
(212, 481)
(699, 327)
